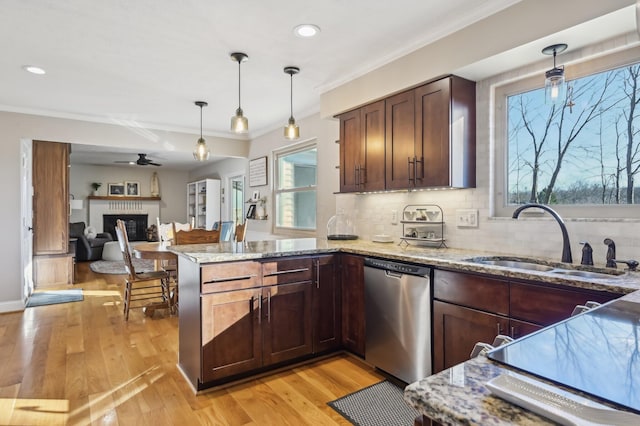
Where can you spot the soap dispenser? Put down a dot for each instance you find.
(587, 254)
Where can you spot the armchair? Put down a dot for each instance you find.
(88, 248)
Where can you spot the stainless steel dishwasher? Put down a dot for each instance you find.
(398, 315)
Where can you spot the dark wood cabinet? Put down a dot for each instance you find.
(327, 301)
(353, 313)
(420, 138)
(399, 141)
(231, 333)
(456, 329)
(445, 133)
(286, 319)
(472, 308)
(362, 149)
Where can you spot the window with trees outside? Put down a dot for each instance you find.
(295, 187)
(582, 150)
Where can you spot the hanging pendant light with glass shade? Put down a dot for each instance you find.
(554, 86)
(201, 153)
(239, 123)
(291, 130)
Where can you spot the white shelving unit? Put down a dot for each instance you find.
(203, 203)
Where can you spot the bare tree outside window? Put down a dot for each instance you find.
(583, 151)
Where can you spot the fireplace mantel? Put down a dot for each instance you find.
(120, 198)
(99, 206)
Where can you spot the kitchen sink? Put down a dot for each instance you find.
(542, 266)
(517, 264)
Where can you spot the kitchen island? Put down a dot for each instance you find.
(433, 396)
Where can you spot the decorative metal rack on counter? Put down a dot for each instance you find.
(423, 224)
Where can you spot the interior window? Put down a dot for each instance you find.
(582, 150)
(295, 187)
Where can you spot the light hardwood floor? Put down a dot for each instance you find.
(81, 363)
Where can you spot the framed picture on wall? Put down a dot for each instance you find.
(258, 172)
(251, 213)
(133, 189)
(116, 189)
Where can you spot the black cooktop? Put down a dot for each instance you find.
(597, 353)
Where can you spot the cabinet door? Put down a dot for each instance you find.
(286, 322)
(350, 150)
(353, 314)
(231, 333)
(457, 329)
(371, 174)
(400, 134)
(432, 107)
(545, 305)
(326, 299)
(50, 197)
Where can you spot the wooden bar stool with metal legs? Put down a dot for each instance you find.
(142, 287)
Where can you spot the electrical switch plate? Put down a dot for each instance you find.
(467, 218)
(394, 217)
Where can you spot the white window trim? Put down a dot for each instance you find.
(279, 230)
(585, 64)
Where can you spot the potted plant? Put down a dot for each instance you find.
(96, 186)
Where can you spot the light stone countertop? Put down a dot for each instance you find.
(454, 259)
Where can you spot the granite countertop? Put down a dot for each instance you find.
(458, 395)
(438, 257)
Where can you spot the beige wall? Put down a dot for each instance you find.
(15, 126)
(173, 188)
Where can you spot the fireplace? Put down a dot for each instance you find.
(136, 225)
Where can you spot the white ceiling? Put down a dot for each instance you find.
(147, 61)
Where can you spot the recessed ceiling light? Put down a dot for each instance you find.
(306, 30)
(33, 69)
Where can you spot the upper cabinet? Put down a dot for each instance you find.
(362, 149)
(429, 140)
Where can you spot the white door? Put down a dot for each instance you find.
(26, 211)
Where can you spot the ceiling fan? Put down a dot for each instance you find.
(141, 161)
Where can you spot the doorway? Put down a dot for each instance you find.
(236, 199)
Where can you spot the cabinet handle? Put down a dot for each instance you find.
(409, 163)
(268, 306)
(225, 279)
(415, 171)
(499, 328)
(363, 181)
(317, 273)
(288, 271)
(357, 175)
(513, 331)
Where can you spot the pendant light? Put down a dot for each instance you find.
(201, 153)
(239, 123)
(291, 130)
(554, 86)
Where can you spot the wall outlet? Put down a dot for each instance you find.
(394, 217)
(467, 218)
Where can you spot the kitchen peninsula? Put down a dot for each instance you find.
(233, 295)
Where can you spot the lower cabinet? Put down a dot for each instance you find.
(286, 322)
(231, 333)
(353, 312)
(327, 316)
(472, 308)
(254, 315)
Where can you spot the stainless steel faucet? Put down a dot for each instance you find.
(611, 252)
(566, 246)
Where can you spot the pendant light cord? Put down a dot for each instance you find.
(239, 106)
(291, 94)
(200, 123)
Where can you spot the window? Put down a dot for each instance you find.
(295, 187)
(583, 151)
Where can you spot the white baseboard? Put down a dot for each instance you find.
(11, 306)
